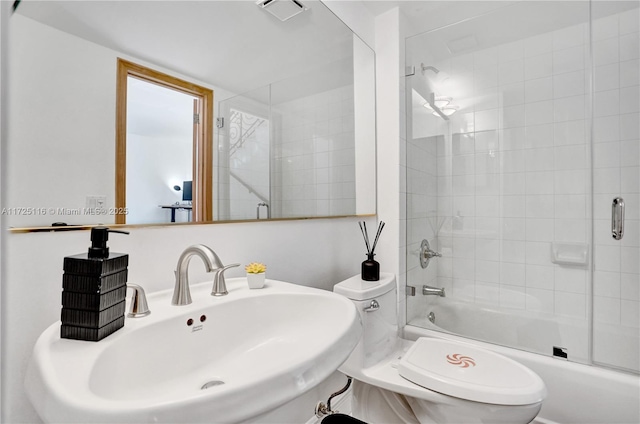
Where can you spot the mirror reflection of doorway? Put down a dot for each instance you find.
(164, 154)
(159, 153)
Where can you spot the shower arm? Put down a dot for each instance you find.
(432, 97)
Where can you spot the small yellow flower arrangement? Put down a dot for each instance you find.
(255, 268)
(255, 275)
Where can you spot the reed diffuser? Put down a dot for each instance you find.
(370, 268)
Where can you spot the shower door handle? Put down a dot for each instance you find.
(617, 218)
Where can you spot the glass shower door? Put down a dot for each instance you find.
(244, 157)
(616, 158)
(522, 131)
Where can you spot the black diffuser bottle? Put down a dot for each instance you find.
(370, 268)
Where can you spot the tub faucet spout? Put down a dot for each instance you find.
(435, 291)
(181, 292)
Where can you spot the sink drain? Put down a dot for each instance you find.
(211, 384)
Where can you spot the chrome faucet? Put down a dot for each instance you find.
(181, 292)
(428, 290)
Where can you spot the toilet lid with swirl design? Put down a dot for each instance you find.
(468, 372)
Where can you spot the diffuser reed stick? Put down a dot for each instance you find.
(375, 242)
(365, 235)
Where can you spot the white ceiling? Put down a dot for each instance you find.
(230, 44)
(428, 15)
(237, 46)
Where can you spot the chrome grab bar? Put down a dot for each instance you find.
(617, 218)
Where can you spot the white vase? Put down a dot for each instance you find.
(256, 281)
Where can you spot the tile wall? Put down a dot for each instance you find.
(312, 139)
(314, 163)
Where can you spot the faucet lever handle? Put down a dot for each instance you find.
(219, 284)
(139, 307)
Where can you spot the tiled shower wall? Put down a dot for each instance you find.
(314, 169)
(309, 142)
(514, 177)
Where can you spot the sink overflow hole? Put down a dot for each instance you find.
(211, 384)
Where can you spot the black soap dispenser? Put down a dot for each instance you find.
(94, 288)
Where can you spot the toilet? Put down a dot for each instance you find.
(430, 380)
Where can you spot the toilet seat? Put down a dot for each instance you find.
(464, 371)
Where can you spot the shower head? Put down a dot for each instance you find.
(429, 68)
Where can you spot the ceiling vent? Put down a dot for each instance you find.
(282, 9)
(462, 44)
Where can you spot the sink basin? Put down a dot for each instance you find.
(242, 355)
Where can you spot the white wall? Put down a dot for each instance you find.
(390, 31)
(160, 163)
(364, 113)
(49, 67)
(5, 8)
(357, 17)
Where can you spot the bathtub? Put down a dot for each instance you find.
(578, 393)
(527, 330)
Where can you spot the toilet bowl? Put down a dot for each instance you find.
(430, 380)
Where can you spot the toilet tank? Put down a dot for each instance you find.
(380, 326)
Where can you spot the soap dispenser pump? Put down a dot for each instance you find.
(99, 238)
(94, 290)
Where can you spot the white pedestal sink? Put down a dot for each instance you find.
(243, 355)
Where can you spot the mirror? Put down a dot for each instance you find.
(294, 102)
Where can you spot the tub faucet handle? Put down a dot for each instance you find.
(426, 253)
